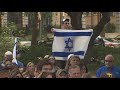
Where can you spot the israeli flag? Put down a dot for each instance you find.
(70, 42)
(14, 52)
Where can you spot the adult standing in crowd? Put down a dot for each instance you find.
(44, 66)
(109, 68)
(74, 71)
(8, 56)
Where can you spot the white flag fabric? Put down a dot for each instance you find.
(14, 51)
(70, 42)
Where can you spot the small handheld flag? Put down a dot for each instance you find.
(14, 52)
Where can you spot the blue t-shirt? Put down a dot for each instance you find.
(114, 70)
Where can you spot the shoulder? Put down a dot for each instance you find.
(116, 68)
(101, 68)
(19, 62)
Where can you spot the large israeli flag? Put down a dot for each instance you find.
(70, 42)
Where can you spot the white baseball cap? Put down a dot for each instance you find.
(8, 53)
(46, 56)
(65, 20)
(70, 56)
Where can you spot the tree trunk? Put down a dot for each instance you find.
(30, 20)
(76, 21)
(35, 30)
(19, 21)
(97, 31)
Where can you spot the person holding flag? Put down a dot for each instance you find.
(67, 41)
(65, 24)
(7, 58)
(11, 57)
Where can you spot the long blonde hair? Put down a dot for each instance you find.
(68, 61)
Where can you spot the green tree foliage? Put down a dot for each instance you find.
(30, 20)
(99, 52)
(39, 51)
(6, 39)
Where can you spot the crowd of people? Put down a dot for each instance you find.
(49, 67)
(45, 68)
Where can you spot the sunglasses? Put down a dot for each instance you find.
(66, 23)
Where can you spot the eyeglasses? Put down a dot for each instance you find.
(108, 61)
(66, 23)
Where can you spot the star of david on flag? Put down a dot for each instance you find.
(70, 42)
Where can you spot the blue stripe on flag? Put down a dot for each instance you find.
(65, 54)
(64, 34)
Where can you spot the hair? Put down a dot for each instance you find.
(42, 63)
(29, 63)
(55, 64)
(68, 62)
(110, 56)
(85, 67)
(73, 67)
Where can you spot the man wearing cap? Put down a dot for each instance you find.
(65, 24)
(8, 56)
